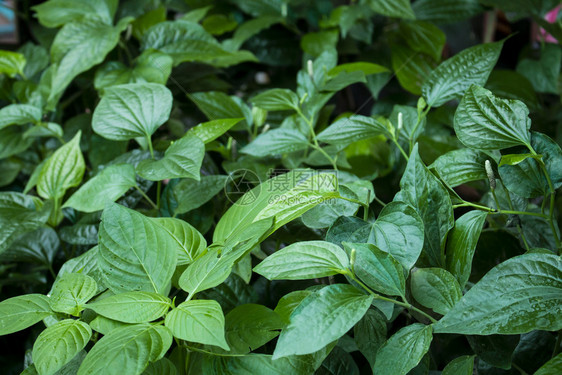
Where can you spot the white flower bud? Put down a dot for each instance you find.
(310, 68)
(284, 10)
(352, 258)
(490, 173)
(400, 121)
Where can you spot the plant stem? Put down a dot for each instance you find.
(362, 204)
(519, 230)
(149, 141)
(146, 197)
(316, 145)
(418, 122)
(158, 193)
(515, 366)
(498, 212)
(401, 149)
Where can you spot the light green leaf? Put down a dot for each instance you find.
(409, 345)
(37, 59)
(422, 190)
(378, 269)
(23, 311)
(77, 47)
(161, 367)
(436, 289)
(554, 366)
(366, 67)
(132, 110)
(216, 105)
(132, 307)
(105, 325)
(190, 244)
(11, 63)
(348, 130)
(392, 8)
(130, 348)
(135, 253)
(458, 167)
(192, 194)
(517, 296)
(58, 345)
(370, 334)
(63, 170)
(206, 272)
(110, 184)
(454, 76)
(274, 199)
(514, 159)
(315, 43)
(251, 326)
(304, 260)
(19, 114)
(86, 264)
(199, 321)
(289, 302)
(182, 159)
(276, 100)
(71, 291)
(485, 122)
(460, 366)
(55, 13)
(209, 131)
(275, 142)
(322, 317)
(424, 37)
(462, 244)
(411, 67)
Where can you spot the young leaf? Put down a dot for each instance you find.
(55, 13)
(209, 131)
(190, 243)
(130, 348)
(192, 194)
(71, 292)
(106, 187)
(63, 170)
(351, 129)
(276, 100)
(135, 253)
(460, 366)
(206, 272)
(275, 142)
(378, 269)
(58, 345)
(199, 321)
(322, 317)
(304, 260)
(454, 76)
(86, 264)
(462, 244)
(485, 122)
(436, 289)
(132, 110)
(517, 296)
(182, 159)
(409, 344)
(19, 114)
(11, 63)
(23, 311)
(132, 307)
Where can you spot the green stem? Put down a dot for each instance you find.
(515, 366)
(519, 230)
(418, 122)
(362, 204)
(557, 344)
(498, 212)
(146, 197)
(401, 149)
(149, 141)
(316, 145)
(158, 193)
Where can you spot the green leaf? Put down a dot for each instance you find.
(190, 244)
(517, 296)
(135, 253)
(130, 348)
(86, 264)
(249, 29)
(132, 110)
(63, 170)
(315, 43)
(460, 366)
(192, 194)
(251, 326)
(485, 122)
(275, 142)
(71, 291)
(398, 231)
(411, 67)
(514, 159)
(132, 307)
(322, 317)
(209, 131)
(289, 302)
(446, 11)
(37, 59)
(496, 350)
(55, 13)
(106, 187)
(199, 321)
(39, 246)
(454, 76)
(436, 289)
(19, 114)
(351, 129)
(216, 105)
(551, 156)
(409, 345)
(424, 37)
(458, 167)
(378, 269)
(366, 67)
(11, 63)
(428, 196)
(59, 344)
(554, 366)
(274, 199)
(105, 325)
(182, 159)
(276, 100)
(304, 260)
(18, 313)
(392, 8)
(77, 47)
(370, 334)
(462, 244)
(206, 272)
(543, 73)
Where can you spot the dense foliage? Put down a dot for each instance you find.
(282, 187)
